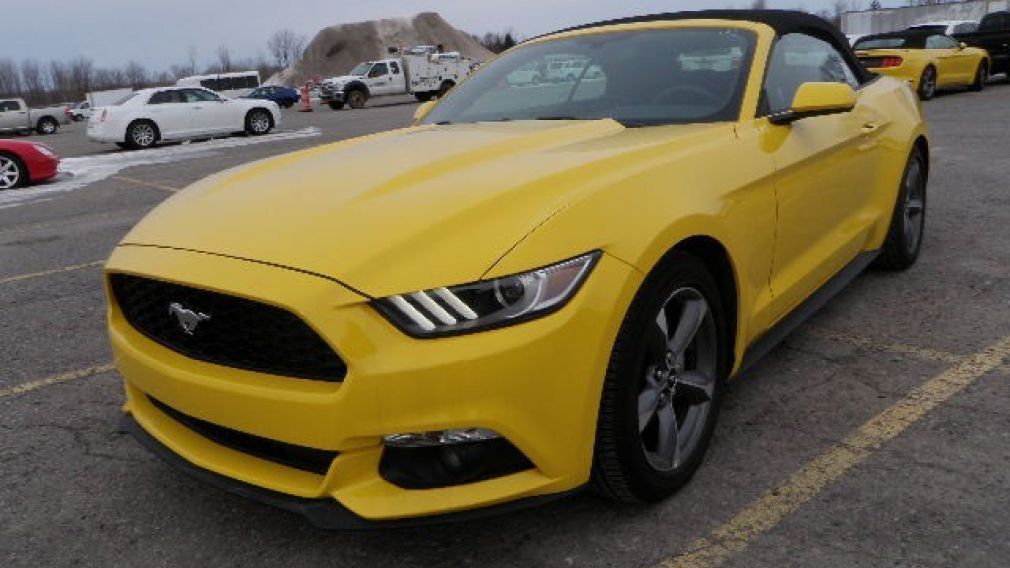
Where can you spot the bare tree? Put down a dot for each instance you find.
(224, 58)
(81, 70)
(497, 42)
(33, 85)
(59, 80)
(286, 47)
(10, 77)
(135, 75)
(191, 61)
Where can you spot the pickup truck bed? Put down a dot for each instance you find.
(15, 116)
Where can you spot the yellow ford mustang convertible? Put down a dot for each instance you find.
(542, 285)
(926, 59)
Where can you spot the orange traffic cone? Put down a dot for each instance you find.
(306, 107)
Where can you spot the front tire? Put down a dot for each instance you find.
(908, 221)
(258, 122)
(13, 173)
(981, 76)
(927, 83)
(356, 99)
(141, 135)
(46, 126)
(664, 382)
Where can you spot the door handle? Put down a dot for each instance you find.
(869, 127)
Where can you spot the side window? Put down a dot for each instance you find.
(797, 59)
(940, 42)
(200, 96)
(162, 97)
(395, 67)
(378, 70)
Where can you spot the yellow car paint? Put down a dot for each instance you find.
(955, 67)
(489, 200)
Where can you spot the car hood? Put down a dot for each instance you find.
(344, 79)
(408, 209)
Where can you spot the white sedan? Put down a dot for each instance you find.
(165, 114)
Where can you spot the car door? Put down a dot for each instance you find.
(950, 61)
(378, 79)
(397, 78)
(825, 169)
(217, 114)
(12, 116)
(170, 111)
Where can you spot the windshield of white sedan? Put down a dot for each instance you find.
(639, 79)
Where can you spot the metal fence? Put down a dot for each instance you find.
(891, 19)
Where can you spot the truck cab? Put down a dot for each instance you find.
(15, 116)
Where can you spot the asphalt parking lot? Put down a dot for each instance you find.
(878, 434)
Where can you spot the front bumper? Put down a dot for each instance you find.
(537, 384)
(331, 96)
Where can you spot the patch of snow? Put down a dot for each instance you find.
(78, 173)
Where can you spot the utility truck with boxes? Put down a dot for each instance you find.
(422, 71)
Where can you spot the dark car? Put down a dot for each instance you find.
(283, 96)
(993, 34)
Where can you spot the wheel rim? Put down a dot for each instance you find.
(356, 99)
(915, 206)
(929, 83)
(10, 173)
(143, 135)
(260, 123)
(679, 380)
(48, 127)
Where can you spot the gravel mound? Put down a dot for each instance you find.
(337, 49)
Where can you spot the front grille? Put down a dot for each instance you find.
(290, 455)
(234, 332)
(872, 62)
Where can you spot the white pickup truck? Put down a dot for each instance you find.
(15, 116)
(421, 71)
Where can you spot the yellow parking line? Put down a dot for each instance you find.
(147, 183)
(54, 380)
(768, 511)
(31, 275)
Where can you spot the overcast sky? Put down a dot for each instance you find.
(158, 34)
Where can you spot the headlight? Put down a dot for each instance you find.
(44, 150)
(489, 303)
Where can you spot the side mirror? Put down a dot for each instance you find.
(817, 99)
(962, 45)
(423, 110)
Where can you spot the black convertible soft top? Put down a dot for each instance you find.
(914, 39)
(782, 21)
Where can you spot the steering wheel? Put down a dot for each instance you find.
(690, 89)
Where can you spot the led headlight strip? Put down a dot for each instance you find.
(489, 303)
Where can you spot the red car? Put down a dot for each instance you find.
(22, 163)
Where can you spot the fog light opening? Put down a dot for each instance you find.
(428, 460)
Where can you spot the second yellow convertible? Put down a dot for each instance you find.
(927, 59)
(543, 284)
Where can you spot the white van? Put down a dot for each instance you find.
(231, 85)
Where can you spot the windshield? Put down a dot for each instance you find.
(361, 69)
(641, 78)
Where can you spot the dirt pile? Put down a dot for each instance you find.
(337, 49)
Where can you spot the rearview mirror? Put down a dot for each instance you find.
(817, 99)
(423, 110)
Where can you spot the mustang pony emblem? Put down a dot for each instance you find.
(188, 319)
